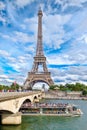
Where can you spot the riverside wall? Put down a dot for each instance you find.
(63, 95)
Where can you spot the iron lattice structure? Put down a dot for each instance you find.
(39, 60)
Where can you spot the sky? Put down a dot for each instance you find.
(64, 39)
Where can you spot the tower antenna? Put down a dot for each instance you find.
(40, 4)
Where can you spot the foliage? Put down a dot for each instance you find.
(13, 86)
(71, 87)
(84, 92)
(52, 87)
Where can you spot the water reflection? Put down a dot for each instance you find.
(11, 127)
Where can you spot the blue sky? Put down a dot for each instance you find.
(64, 39)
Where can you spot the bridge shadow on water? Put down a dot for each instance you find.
(10, 127)
(0, 119)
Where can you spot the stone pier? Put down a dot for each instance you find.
(11, 119)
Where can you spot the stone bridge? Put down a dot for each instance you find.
(10, 103)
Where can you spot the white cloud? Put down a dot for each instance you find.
(4, 79)
(77, 2)
(31, 24)
(75, 54)
(2, 19)
(30, 49)
(58, 60)
(54, 21)
(2, 6)
(5, 36)
(70, 2)
(22, 37)
(72, 74)
(4, 53)
(11, 59)
(22, 3)
(21, 64)
(1, 70)
(3, 76)
(18, 37)
(53, 31)
(23, 26)
(83, 38)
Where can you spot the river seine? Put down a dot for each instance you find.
(54, 122)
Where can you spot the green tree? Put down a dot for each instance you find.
(84, 92)
(54, 86)
(1, 87)
(14, 86)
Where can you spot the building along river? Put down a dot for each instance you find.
(54, 122)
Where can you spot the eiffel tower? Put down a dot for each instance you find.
(39, 60)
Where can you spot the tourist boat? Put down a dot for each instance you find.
(51, 109)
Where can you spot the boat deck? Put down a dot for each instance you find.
(44, 105)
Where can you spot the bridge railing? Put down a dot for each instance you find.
(12, 95)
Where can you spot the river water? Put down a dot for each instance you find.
(54, 122)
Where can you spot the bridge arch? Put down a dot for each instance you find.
(24, 102)
(35, 97)
(5, 112)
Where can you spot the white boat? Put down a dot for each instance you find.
(51, 109)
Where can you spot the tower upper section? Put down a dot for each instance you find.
(39, 50)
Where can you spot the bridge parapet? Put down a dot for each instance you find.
(13, 95)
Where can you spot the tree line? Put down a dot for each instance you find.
(70, 87)
(12, 87)
(66, 87)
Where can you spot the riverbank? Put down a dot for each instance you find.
(66, 98)
(57, 95)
